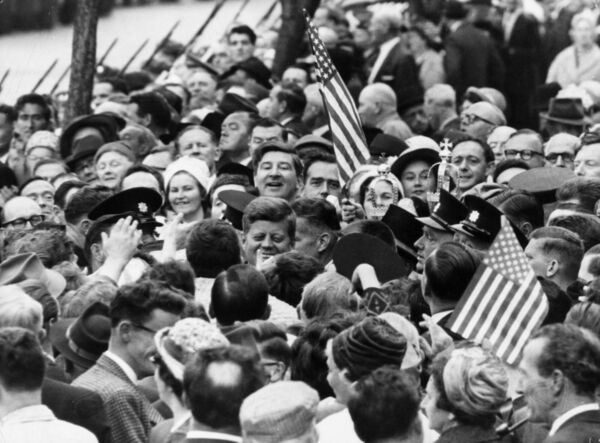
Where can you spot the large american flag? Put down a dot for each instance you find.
(504, 302)
(348, 138)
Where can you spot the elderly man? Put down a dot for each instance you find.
(377, 107)
(560, 150)
(587, 160)
(497, 139)
(561, 373)
(314, 115)
(479, 119)
(389, 61)
(526, 145)
(440, 109)
(21, 213)
(42, 192)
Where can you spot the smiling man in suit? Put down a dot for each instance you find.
(389, 62)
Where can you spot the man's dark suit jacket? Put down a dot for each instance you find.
(297, 126)
(472, 60)
(583, 428)
(400, 72)
(79, 406)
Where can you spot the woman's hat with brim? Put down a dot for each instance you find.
(21, 267)
(415, 153)
(109, 126)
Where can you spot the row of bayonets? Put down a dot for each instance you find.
(218, 5)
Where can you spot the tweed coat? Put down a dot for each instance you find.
(130, 414)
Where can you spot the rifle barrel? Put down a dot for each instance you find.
(43, 77)
(162, 43)
(4, 77)
(267, 14)
(110, 48)
(60, 79)
(132, 58)
(210, 17)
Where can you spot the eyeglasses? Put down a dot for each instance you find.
(469, 119)
(567, 157)
(22, 221)
(143, 328)
(526, 154)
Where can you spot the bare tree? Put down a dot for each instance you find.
(291, 34)
(83, 58)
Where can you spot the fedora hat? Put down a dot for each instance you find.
(84, 339)
(568, 111)
(385, 144)
(406, 229)
(20, 267)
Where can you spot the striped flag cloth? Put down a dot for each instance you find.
(504, 302)
(348, 138)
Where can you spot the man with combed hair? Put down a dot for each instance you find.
(327, 294)
(385, 407)
(216, 383)
(137, 312)
(555, 254)
(269, 228)
(23, 417)
(578, 194)
(378, 108)
(440, 109)
(317, 228)
(561, 374)
(389, 63)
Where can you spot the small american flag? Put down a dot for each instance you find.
(504, 302)
(349, 142)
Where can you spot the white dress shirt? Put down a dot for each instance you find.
(384, 50)
(561, 420)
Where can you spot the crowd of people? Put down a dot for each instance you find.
(183, 264)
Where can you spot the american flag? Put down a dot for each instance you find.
(504, 302)
(348, 138)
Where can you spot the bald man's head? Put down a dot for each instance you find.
(375, 102)
(21, 212)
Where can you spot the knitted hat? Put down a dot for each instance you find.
(279, 412)
(42, 139)
(119, 147)
(370, 344)
(195, 167)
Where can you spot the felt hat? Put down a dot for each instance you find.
(568, 111)
(388, 145)
(84, 339)
(407, 230)
(236, 103)
(542, 182)
(236, 202)
(83, 148)
(19, 267)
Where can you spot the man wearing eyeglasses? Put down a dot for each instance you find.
(137, 313)
(480, 119)
(42, 192)
(560, 150)
(21, 213)
(526, 145)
